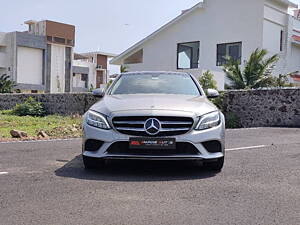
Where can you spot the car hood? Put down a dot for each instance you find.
(112, 104)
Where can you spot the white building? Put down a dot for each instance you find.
(3, 58)
(92, 70)
(199, 38)
(40, 59)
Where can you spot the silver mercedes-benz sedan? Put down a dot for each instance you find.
(154, 116)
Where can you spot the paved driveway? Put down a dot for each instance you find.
(44, 183)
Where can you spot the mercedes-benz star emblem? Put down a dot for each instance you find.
(152, 126)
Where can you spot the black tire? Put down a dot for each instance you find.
(92, 163)
(215, 165)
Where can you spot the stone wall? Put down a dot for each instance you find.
(259, 108)
(265, 108)
(64, 104)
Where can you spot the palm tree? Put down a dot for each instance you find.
(255, 74)
(123, 69)
(6, 85)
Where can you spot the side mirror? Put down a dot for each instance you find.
(212, 93)
(99, 93)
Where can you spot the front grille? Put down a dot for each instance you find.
(182, 148)
(170, 126)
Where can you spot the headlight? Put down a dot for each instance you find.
(97, 120)
(208, 121)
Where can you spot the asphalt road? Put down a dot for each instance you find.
(45, 183)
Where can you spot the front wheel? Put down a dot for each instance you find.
(92, 163)
(215, 165)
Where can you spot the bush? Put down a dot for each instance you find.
(207, 81)
(6, 85)
(232, 121)
(282, 80)
(29, 108)
(91, 89)
(219, 102)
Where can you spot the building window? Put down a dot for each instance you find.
(70, 42)
(84, 78)
(59, 40)
(233, 50)
(188, 55)
(281, 40)
(49, 38)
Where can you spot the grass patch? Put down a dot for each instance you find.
(54, 125)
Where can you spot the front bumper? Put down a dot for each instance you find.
(194, 138)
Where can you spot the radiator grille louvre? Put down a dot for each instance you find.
(182, 148)
(170, 126)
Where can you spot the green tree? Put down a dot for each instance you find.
(123, 69)
(109, 84)
(283, 80)
(207, 81)
(257, 72)
(6, 85)
(91, 88)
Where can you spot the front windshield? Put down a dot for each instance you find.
(177, 84)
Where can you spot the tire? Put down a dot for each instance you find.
(92, 163)
(215, 165)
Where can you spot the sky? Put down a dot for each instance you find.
(101, 25)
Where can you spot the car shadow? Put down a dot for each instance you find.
(135, 171)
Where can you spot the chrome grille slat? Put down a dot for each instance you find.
(176, 123)
(174, 129)
(130, 122)
(130, 129)
(161, 130)
(170, 126)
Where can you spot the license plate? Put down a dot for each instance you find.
(152, 143)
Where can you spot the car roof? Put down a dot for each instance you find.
(155, 72)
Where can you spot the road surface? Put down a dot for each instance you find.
(45, 183)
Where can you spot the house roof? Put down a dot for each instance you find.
(293, 5)
(79, 56)
(99, 53)
(118, 59)
(296, 38)
(156, 72)
(287, 2)
(296, 77)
